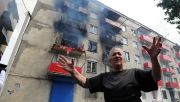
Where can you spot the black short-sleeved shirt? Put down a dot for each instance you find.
(123, 86)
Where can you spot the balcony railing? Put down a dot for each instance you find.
(145, 38)
(168, 71)
(64, 49)
(147, 65)
(110, 39)
(56, 69)
(113, 23)
(178, 55)
(172, 85)
(160, 83)
(165, 58)
(108, 25)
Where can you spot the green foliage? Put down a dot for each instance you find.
(172, 11)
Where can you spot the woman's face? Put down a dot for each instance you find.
(116, 58)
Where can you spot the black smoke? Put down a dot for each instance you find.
(72, 23)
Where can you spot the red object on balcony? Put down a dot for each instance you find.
(172, 85)
(160, 83)
(147, 65)
(68, 49)
(168, 71)
(169, 85)
(165, 58)
(176, 85)
(165, 47)
(178, 54)
(146, 38)
(55, 68)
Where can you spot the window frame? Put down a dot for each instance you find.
(90, 70)
(91, 45)
(93, 29)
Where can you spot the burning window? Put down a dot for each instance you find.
(92, 47)
(91, 67)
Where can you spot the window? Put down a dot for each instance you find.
(135, 44)
(137, 59)
(92, 47)
(125, 41)
(143, 94)
(123, 28)
(91, 67)
(127, 56)
(164, 94)
(93, 29)
(90, 95)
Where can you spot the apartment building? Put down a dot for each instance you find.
(85, 31)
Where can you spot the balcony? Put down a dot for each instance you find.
(111, 14)
(110, 39)
(68, 50)
(160, 83)
(55, 69)
(70, 26)
(147, 65)
(165, 58)
(110, 26)
(145, 38)
(113, 23)
(172, 85)
(168, 71)
(178, 55)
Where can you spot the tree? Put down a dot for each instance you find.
(172, 11)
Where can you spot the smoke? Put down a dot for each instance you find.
(73, 21)
(3, 5)
(108, 31)
(8, 9)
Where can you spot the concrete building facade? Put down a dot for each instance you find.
(83, 30)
